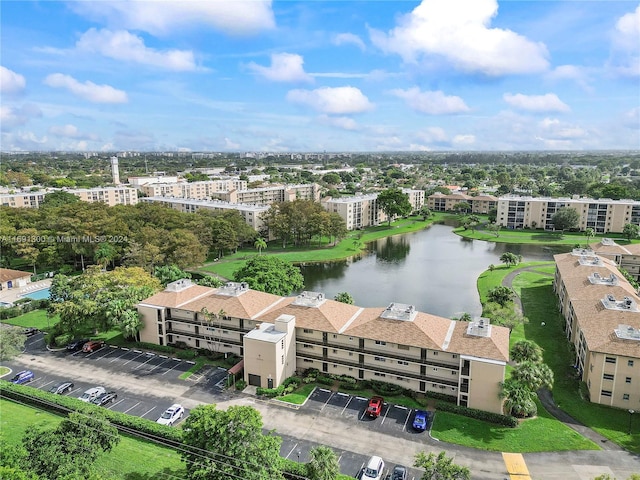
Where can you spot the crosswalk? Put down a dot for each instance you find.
(516, 466)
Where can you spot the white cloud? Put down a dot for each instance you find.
(16, 116)
(10, 81)
(574, 73)
(20, 141)
(536, 103)
(464, 139)
(285, 67)
(333, 101)
(625, 55)
(431, 102)
(230, 145)
(122, 45)
(459, 32)
(348, 39)
(345, 123)
(235, 17)
(432, 135)
(87, 90)
(71, 131)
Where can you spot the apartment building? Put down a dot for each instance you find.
(273, 194)
(140, 181)
(416, 198)
(202, 190)
(252, 214)
(440, 202)
(357, 212)
(278, 335)
(602, 321)
(603, 215)
(110, 195)
(626, 257)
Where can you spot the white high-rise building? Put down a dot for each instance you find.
(114, 170)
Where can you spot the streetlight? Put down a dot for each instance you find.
(298, 452)
(631, 412)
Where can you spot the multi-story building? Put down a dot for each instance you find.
(203, 190)
(109, 195)
(603, 215)
(440, 202)
(626, 257)
(416, 198)
(139, 181)
(279, 335)
(274, 194)
(252, 214)
(602, 321)
(357, 212)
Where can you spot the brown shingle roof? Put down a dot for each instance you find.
(495, 347)
(7, 274)
(246, 305)
(177, 299)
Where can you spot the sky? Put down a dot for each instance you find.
(313, 76)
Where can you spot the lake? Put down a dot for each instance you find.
(434, 269)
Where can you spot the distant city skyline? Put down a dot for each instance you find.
(335, 76)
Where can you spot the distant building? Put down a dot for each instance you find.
(440, 202)
(13, 278)
(140, 181)
(115, 172)
(202, 190)
(110, 195)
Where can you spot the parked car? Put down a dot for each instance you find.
(61, 388)
(24, 376)
(399, 473)
(107, 397)
(421, 420)
(171, 415)
(76, 344)
(91, 394)
(92, 346)
(374, 469)
(374, 408)
(30, 331)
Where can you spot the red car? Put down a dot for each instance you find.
(375, 407)
(92, 346)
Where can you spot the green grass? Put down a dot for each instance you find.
(470, 432)
(4, 371)
(35, 318)
(491, 279)
(194, 369)
(299, 396)
(537, 237)
(131, 459)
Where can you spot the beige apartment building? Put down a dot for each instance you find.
(110, 195)
(252, 214)
(440, 202)
(357, 212)
(272, 194)
(279, 335)
(603, 215)
(602, 321)
(202, 190)
(626, 257)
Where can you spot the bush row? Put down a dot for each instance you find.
(63, 404)
(21, 306)
(506, 420)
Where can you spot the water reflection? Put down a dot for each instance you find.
(434, 269)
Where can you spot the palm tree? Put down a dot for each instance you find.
(131, 324)
(533, 375)
(526, 351)
(323, 464)
(589, 233)
(104, 254)
(260, 245)
(519, 400)
(344, 297)
(509, 259)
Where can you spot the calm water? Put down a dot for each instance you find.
(433, 269)
(38, 294)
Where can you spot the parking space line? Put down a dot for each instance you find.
(125, 349)
(345, 407)
(361, 398)
(137, 351)
(129, 409)
(148, 411)
(325, 403)
(131, 359)
(172, 367)
(324, 390)
(95, 351)
(117, 403)
(44, 385)
(406, 420)
(343, 394)
(292, 449)
(113, 349)
(74, 391)
(144, 363)
(119, 356)
(163, 356)
(156, 366)
(385, 414)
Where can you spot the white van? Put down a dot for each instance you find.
(374, 469)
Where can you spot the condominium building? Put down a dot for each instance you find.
(252, 214)
(603, 215)
(277, 336)
(109, 195)
(357, 212)
(602, 321)
(206, 189)
(626, 257)
(140, 181)
(440, 202)
(416, 198)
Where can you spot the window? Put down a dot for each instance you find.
(435, 369)
(627, 380)
(351, 339)
(630, 363)
(282, 359)
(334, 336)
(435, 354)
(454, 356)
(380, 359)
(591, 367)
(378, 374)
(282, 344)
(306, 360)
(625, 396)
(605, 393)
(306, 330)
(401, 362)
(159, 329)
(335, 351)
(610, 359)
(378, 342)
(351, 354)
(607, 376)
(403, 347)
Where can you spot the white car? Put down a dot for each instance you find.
(374, 469)
(91, 394)
(171, 415)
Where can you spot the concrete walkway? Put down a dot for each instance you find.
(545, 396)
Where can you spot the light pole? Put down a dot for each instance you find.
(631, 412)
(298, 452)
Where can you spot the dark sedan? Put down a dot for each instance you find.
(105, 398)
(77, 344)
(61, 388)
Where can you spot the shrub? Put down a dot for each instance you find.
(441, 396)
(241, 385)
(62, 340)
(348, 379)
(506, 420)
(10, 312)
(323, 380)
(295, 381)
(348, 386)
(311, 373)
(187, 354)
(308, 380)
(384, 388)
(271, 392)
(232, 360)
(293, 470)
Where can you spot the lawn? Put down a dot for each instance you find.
(35, 318)
(460, 430)
(131, 459)
(299, 396)
(491, 279)
(537, 237)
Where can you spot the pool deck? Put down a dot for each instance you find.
(13, 294)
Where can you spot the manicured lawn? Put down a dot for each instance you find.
(4, 371)
(491, 279)
(130, 459)
(460, 430)
(537, 237)
(35, 318)
(298, 397)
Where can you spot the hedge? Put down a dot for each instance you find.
(506, 420)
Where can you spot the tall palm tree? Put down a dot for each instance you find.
(519, 400)
(526, 351)
(323, 464)
(260, 245)
(131, 324)
(533, 375)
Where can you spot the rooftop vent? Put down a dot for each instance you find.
(607, 241)
(233, 289)
(627, 332)
(627, 304)
(583, 252)
(596, 279)
(591, 260)
(400, 311)
(309, 299)
(178, 285)
(480, 327)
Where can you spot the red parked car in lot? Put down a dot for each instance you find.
(375, 407)
(92, 346)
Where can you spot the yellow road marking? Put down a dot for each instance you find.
(516, 467)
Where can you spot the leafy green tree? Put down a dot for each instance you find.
(509, 259)
(519, 399)
(493, 228)
(130, 324)
(440, 467)
(565, 218)
(169, 273)
(209, 281)
(500, 295)
(223, 444)
(11, 343)
(393, 202)
(104, 254)
(504, 315)
(336, 227)
(344, 297)
(323, 464)
(533, 375)
(630, 231)
(270, 274)
(589, 233)
(260, 245)
(58, 199)
(526, 351)
(462, 207)
(71, 448)
(426, 212)
(331, 178)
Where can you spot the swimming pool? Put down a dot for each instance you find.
(38, 294)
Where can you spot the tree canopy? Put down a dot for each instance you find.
(11, 342)
(565, 218)
(270, 274)
(440, 467)
(393, 203)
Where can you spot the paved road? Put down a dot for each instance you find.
(353, 439)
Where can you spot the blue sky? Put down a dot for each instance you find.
(283, 76)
